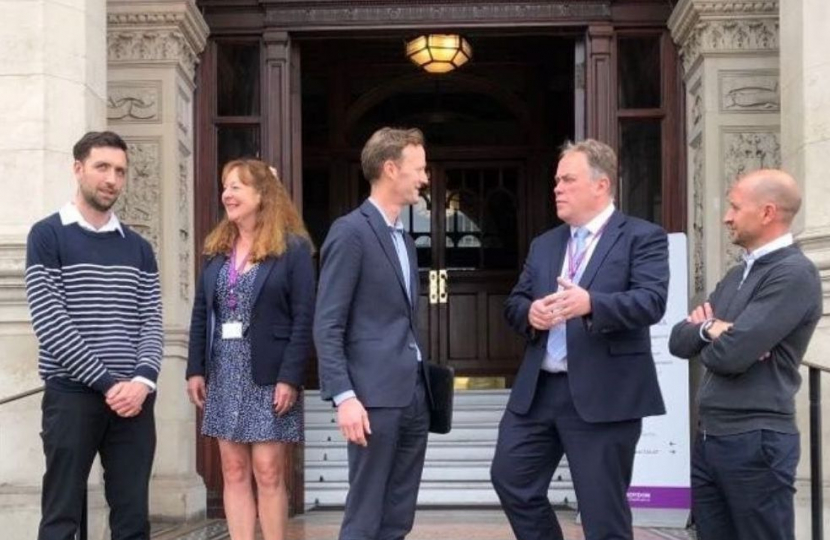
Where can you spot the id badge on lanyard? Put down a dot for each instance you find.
(233, 329)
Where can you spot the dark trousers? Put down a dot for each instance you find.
(76, 427)
(385, 475)
(600, 457)
(743, 486)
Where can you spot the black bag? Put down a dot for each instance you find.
(441, 385)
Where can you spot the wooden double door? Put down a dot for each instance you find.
(470, 234)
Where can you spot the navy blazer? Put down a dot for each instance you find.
(611, 371)
(365, 326)
(282, 313)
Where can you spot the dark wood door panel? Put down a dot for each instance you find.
(478, 340)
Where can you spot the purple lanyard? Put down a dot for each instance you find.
(233, 277)
(575, 260)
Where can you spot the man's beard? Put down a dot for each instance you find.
(98, 205)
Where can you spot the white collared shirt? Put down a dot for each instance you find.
(70, 214)
(782, 241)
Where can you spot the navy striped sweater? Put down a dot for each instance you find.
(95, 301)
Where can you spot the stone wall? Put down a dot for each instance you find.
(52, 90)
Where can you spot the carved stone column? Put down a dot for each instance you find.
(805, 146)
(153, 48)
(730, 59)
(52, 90)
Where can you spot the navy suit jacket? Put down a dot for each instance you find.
(281, 317)
(611, 371)
(365, 326)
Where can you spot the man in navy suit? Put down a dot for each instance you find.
(365, 330)
(589, 292)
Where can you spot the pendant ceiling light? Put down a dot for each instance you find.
(439, 53)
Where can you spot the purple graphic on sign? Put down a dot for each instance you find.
(660, 497)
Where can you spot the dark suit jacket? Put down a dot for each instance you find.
(280, 328)
(365, 327)
(610, 367)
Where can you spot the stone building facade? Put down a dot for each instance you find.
(757, 93)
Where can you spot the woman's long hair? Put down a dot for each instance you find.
(276, 219)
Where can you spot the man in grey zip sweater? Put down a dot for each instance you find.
(751, 336)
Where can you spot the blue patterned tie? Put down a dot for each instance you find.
(580, 235)
(557, 346)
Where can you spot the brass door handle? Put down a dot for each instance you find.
(433, 287)
(442, 287)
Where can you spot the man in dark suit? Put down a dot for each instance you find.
(751, 335)
(365, 330)
(589, 292)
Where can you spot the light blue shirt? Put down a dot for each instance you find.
(557, 336)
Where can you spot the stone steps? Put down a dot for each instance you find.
(457, 466)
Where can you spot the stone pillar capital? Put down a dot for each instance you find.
(702, 27)
(156, 32)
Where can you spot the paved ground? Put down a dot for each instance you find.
(473, 524)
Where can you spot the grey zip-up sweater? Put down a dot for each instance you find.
(774, 311)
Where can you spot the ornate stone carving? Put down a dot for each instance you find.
(139, 205)
(142, 31)
(321, 14)
(151, 46)
(729, 35)
(184, 115)
(746, 91)
(696, 105)
(698, 214)
(701, 26)
(134, 102)
(184, 225)
(744, 151)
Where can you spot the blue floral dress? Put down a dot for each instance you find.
(237, 409)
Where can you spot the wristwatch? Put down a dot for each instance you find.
(704, 330)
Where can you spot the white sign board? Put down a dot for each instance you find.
(660, 492)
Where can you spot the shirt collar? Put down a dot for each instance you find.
(780, 242)
(599, 220)
(70, 214)
(398, 223)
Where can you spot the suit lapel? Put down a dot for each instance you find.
(609, 237)
(211, 277)
(381, 229)
(265, 268)
(559, 243)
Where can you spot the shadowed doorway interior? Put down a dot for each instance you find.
(492, 129)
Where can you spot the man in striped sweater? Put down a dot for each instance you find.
(94, 295)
